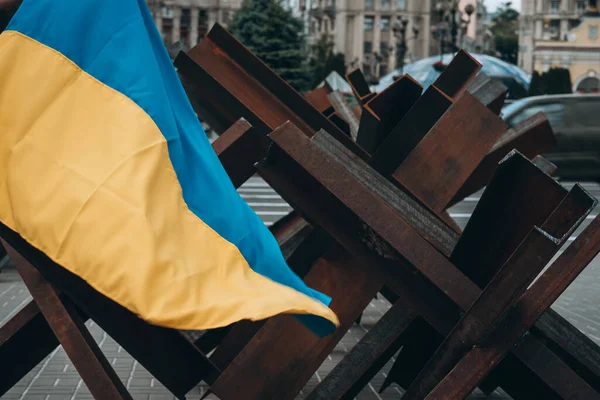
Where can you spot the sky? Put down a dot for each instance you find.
(492, 4)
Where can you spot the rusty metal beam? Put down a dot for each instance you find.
(71, 332)
(238, 149)
(283, 350)
(519, 197)
(26, 337)
(250, 89)
(359, 366)
(488, 91)
(385, 110)
(457, 76)
(359, 85)
(325, 172)
(518, 320)
(320, 100)
(450, 152)
(171, 352)
(502, 292)
(530, 137)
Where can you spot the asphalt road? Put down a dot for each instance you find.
(56, 379)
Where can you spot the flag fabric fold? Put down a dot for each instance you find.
(106, 169)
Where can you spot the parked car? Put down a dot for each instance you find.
(575, 119)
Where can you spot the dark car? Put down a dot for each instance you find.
(575, 120)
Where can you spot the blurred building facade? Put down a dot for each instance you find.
(579, 52)
(363, 30)
(188, 21)
(544, 21)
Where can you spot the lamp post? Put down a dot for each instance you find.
(451, 21)
(401, 41)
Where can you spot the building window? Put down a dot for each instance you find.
(554, 6)
(581, 6)
(186, 17)
(369, 21)
(384, 49)
(594, 32)
(167, 12)
(383, 69)
(401, 4)
(225, 17)
(202, 19)
(385, 24)
(368, 4)
(367, 47)
(386, 4)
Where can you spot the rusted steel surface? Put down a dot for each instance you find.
(301, 245)
(444, 159)
(163, 352)
(488, 91)
(530, 307)
(71, 332)
(531, 137)
(385, 110)
(238, 149)
(253, 89)
(570, 344)
(283, 350)
(413, 356)
(408, 133)
(25, 337)
(457, 75)
(519, 319)
(215, 105)
(502, 292)
(319, 164)
(319, 98)
(359, 85)
(519, 197)
(359, 366)
(550, 207)
(341, 123)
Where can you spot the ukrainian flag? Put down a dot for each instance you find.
(106, 169)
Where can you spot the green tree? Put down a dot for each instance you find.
(554, 81)
(323, 60)
(536, 87)
(276, 37)
(504, 27)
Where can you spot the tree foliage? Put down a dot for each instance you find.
(276, 37)
(555, 81)
(324, 60)
(505, 27)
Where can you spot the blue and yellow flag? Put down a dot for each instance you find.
(106, 169)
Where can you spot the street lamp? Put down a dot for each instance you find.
(401, 46)
(450, 22)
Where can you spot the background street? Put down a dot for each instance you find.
(56, 379)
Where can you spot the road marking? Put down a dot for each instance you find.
(255, 190)
(261, 196)
(255, 184)
(269, 205)
(460, 215)
(276, 213)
